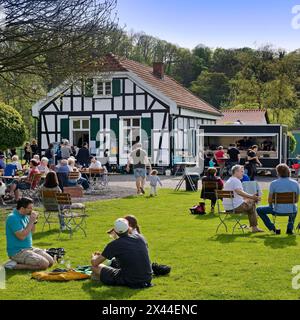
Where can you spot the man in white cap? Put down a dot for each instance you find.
(132, 254)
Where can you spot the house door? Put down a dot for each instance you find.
(80, 132)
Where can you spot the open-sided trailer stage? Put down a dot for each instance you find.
(223, 135)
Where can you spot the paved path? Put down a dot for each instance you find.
(128, 181)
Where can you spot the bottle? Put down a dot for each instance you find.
(2, 277)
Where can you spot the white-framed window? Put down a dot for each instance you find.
(131, 133)
(103, 88)
(79, 131)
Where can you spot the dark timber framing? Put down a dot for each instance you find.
(87, 108)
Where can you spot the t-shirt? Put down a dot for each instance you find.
(233, 154)
(154, 180)
(96, 165)
(139, 158)
(220, 154)
(252, 154)
(66, 152)
(231, 185)
(10, 170)
(16, 222)
(283, 185)
(2, 164)
(33, 172)
(132, 253)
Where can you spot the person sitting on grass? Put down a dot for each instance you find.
(207, 193)
(283, 184)
(132, 254)
(20, 225)
(242, 201)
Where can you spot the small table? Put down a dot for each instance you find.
(183, 165)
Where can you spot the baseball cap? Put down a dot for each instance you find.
(121, 226)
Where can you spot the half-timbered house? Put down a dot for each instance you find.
(130, 101)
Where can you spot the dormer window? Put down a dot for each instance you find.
(103, 88)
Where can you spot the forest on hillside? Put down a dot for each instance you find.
(41, 47)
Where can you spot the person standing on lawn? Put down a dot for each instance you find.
(242, 201)
(139, 159)
(221, 159)
(132, 254)
(283, 184)
(20, 225)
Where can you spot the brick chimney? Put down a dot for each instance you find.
(159, 69)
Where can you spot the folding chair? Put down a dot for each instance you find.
(224, 214)
(50, 205)
(34, 191)
(73, 220)
(209, 185)
(284, 198)
(98, 178)
(74, 175)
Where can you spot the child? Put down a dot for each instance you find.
(154, 180)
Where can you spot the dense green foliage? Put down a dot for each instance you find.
(13, 131)
(204, 265)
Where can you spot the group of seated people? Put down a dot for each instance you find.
(246, 202)
(31, 177)
(123, 262)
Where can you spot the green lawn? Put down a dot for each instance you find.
(204, 265)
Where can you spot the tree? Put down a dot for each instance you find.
(53, 38)
(12, 126)
(213, 87)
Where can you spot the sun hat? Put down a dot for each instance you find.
(121, 226)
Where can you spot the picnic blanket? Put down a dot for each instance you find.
(61, 275)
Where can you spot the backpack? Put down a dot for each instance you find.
(198, 209)
(160, 269)
(56, 253)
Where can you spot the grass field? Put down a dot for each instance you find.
(204, 265)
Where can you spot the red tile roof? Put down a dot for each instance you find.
(251, 117)
(167, 86)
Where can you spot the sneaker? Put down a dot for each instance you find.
(142, 190)
(257, 230)
(10, 264)
(212, 210)
(290, 232)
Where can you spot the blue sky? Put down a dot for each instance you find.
(215, 23)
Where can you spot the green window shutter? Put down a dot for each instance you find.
(64, 129)
(147, 127)
(114, 126)
(95, 127)
(89, 88)
(116, 87)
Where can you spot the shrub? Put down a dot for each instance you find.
(12, 128)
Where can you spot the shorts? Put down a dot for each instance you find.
(23, 186)
(140, 173)
(111, 277)
(32, 256)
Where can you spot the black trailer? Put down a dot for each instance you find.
(272, 141)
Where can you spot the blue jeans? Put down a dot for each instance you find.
(263, 214)
(84, 182)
